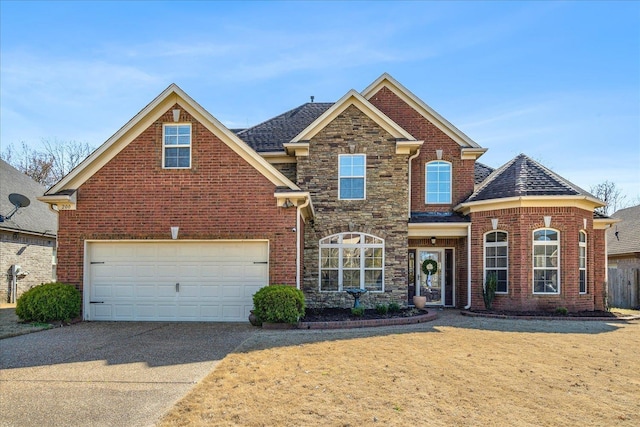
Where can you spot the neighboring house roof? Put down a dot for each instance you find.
(170, 96)
(269, 135)
(481, 172)
(624, 237)
(36, 218)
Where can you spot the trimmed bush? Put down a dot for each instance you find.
(382, 309)
(357, 311)
(489, 290)
(394, 307)
(279, 304)
(49, 302)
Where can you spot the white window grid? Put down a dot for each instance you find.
(182, 141)
(550, 280)
(440, 188)
(496, 257)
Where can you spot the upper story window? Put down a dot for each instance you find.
(352, 177)
(438, 182)
(546, 261)
(496, 258)
(582, 261)
(352, 260)
(176, 146)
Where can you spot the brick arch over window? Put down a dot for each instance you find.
(351, 260)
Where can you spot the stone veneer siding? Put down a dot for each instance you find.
(220, 197)
(383, 214)
(520, 223)
(33, 253)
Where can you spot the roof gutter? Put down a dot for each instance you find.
(409, 191)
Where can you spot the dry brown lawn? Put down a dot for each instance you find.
(453, 371)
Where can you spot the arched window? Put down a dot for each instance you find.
(546, 261)
(496, 258)
(582, 261)
(438, 182)
(352, 260)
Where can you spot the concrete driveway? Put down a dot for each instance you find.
(107, 373)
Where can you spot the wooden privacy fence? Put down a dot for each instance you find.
(624, 288)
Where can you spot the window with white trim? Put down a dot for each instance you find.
(496, 258)
(176, 146)
(352, 260)
(582, 261)
(352, 176)
(438, 182)
(546, 261)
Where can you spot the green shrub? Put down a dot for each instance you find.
(279, 304)
(394, 307)
(489, 290)
(357, 311)
(562, 311)
(382, 309)
(49, 302)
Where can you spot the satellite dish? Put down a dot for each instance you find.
(18, 201)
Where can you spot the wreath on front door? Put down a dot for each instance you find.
(429, 266)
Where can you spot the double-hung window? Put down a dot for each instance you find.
(582, 261)
(546, 261)
(352, 176)
(352, 260)
(496, 258)
(438, 182)
(176, 146)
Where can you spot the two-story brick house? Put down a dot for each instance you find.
(177, 217)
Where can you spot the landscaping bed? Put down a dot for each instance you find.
(344, 314)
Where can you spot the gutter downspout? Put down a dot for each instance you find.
(468, 306)
(409, 198)
(298, 239)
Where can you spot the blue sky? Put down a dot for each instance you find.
(559, 81)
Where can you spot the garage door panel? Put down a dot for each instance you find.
(137, 280)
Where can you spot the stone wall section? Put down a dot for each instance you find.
(33, 253)
(383, 214)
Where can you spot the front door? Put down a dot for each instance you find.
(429, 275)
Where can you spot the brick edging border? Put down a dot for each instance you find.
(583, 319)
(349, 324)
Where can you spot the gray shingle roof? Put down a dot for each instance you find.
(35, 218)
(481, 172)
(628, 238)
(521, 177)
(439, 217)
(271, 134)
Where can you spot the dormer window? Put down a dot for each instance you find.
(176, 152)
(438, 183)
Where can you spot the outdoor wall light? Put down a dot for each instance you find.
(433, 241)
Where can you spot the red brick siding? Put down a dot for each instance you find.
(434, 139)
(220, 197)
(520, 223)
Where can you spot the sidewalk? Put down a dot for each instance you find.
(10, 325)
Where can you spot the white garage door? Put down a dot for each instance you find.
(174, 281)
